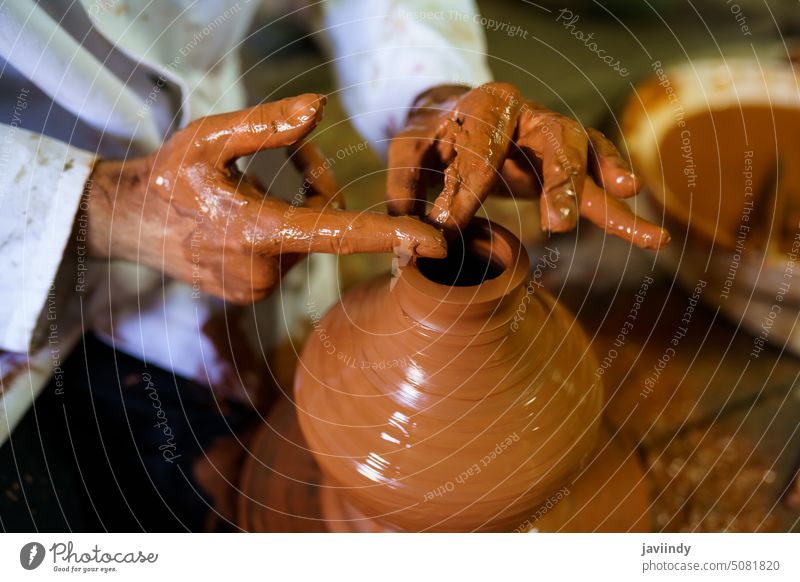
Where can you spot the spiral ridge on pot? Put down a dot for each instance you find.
(446, 407)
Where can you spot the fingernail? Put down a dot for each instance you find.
(304, 103)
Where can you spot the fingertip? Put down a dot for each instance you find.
(306, 107)
(312, 99)
(646, 235)
(624, 184)
(664, 239)
(557, 216)
(434, 247)
(421, 239)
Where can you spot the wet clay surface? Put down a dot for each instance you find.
(186, 210)
(721, 169)
(280, 481)
(431, 408)
(283, 491)
(714, 441)
(487, 140)
(610, 495)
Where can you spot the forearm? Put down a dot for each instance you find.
(112, 196)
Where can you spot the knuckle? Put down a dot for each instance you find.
(571, 124)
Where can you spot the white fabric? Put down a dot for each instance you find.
(387, 52)
(41, 183)
(125, 75)
(72, 76)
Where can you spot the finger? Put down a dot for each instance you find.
(616, 218)
(409, 153)
(305, 230)
(270, 125)
(483, 125)
(319, 182)
(609, 168)
(562, 145)
(412, 152)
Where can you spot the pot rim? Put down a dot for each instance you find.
(490, 240)
(698, 87)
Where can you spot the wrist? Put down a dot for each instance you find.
(112, 200)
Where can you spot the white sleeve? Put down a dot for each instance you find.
(62, 67)
(41, 184)
(387, 52)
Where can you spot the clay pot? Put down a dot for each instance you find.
(454, 396)
(713, 142)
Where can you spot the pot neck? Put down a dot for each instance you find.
(477, 288)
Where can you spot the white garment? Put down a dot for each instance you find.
(113, 78)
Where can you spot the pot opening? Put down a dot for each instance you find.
(482, 255)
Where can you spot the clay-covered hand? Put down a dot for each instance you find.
(189, 212)
(488, 140)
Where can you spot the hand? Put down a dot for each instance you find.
(489, 140)
(188, 211)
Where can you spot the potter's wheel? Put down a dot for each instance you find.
(281, 490)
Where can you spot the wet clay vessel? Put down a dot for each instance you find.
(714, 142)
(454, 396)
